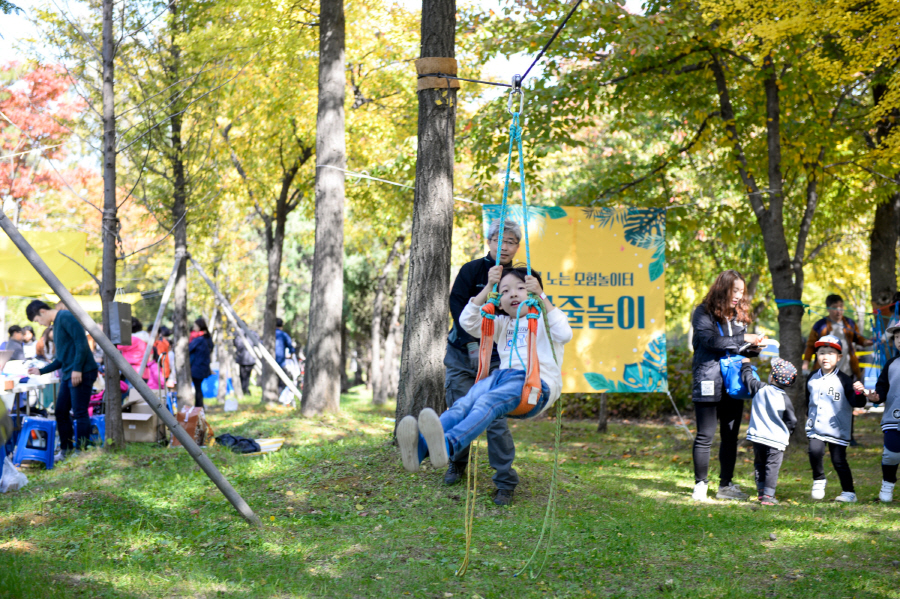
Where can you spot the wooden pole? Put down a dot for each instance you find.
(239, 325)
(159, 314)
(130, 373)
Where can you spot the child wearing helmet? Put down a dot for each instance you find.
(831, 395)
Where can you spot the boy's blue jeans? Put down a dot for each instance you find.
(470, 415)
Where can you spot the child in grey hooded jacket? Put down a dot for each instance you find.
(772, 421)
(887, 390)
(831, 396)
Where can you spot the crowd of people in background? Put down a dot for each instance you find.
(64, 347)
(834, 386)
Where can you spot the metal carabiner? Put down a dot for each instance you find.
(516, 89)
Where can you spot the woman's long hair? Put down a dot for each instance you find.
(716, 301)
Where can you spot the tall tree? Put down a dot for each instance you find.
(428, 288)
(322, 380)
(115, 431)
(376, 377)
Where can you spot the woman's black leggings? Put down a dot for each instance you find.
(838, 460)
(728, 413)
(198, 392)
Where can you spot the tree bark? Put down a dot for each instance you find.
(883, 252)
(428, 289)
(322, 381)
(884, 236)
(603, 416)
(345, 354)
(181, 330)
(115, 432)
(274, 251)
(376, 373)
(389, 376)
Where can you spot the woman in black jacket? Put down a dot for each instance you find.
(720, 325)
(200, 349)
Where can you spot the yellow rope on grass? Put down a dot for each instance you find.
(471, 489)
(550, 514)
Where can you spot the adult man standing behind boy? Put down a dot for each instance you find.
(79, 371)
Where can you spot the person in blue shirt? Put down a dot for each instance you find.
(283, 345)
(78, 372)
(200, 350)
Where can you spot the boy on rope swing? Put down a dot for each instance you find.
(441, 438)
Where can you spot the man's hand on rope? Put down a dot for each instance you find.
(494, 275)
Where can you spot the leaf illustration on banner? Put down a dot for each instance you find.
(647, 376)
(537, 215)
(644, 228)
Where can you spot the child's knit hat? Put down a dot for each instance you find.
(830, 341)
(783, 372)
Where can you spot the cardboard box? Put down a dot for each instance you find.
(141, 424)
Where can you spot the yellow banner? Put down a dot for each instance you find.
(605, 268)
(18, 277)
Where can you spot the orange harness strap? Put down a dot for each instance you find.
(486, 346)
(531, 390)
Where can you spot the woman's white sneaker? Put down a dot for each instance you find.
(408, 441)
(846, 497)
(887, 492)
(699, 493)
(818, 490)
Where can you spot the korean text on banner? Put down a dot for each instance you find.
(605, 269)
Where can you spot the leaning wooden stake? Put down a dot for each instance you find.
(240, 325)
(130, 373)
(159, 314)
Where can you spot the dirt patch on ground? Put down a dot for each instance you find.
(17, 546)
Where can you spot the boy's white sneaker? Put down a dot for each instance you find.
(431, 428)
(887, 492)
(699, 493)
(408, 441)
(818, 490)
(846, 497)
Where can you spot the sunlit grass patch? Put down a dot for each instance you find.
(343, 519)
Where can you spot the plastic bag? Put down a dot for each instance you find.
(12, 479)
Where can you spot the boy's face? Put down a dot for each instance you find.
(17, 336)
(828, 357)
(897, 340)
(512, 293)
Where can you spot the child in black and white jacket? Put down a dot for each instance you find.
(772, 422)
(887, 390)
(831, 396)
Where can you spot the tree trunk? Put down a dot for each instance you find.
(428, 289)
(787, 273)
(274, 251)
(389, 376)
(322, 382)
(181, 330)
(115, 432)
(603, 416)
(345, 354)
(883, 252)
(375, 375)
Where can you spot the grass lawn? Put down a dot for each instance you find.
(343, 519)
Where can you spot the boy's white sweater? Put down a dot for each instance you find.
(506, 332)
